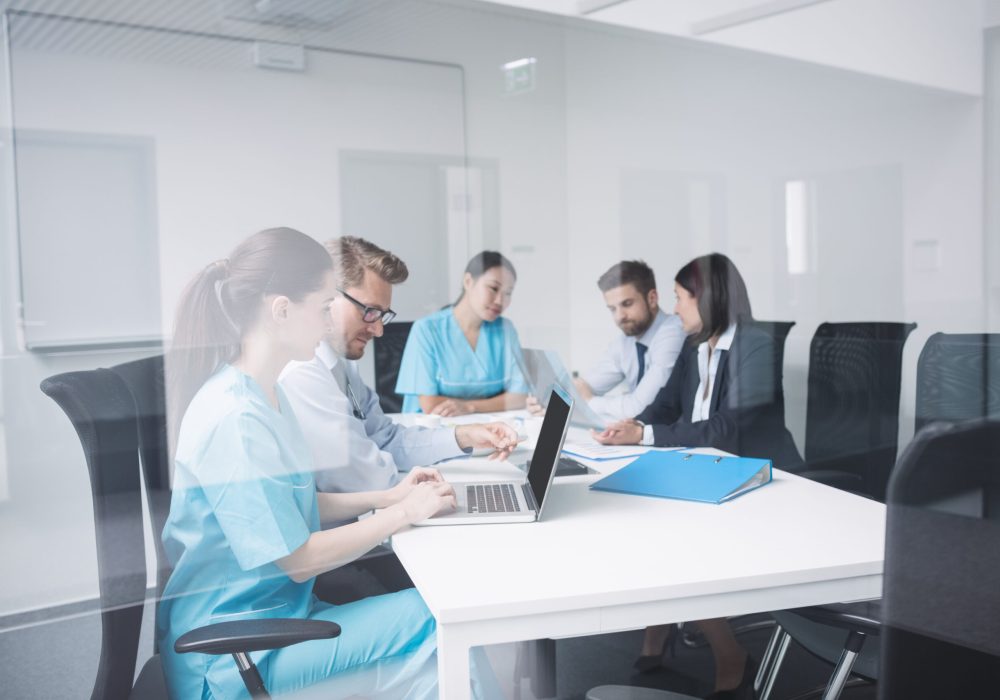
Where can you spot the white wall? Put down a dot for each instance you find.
(991, 13)
(991, 147)
(927, 42)
(748, 122)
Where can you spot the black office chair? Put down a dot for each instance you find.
(852, 425)
(941, 607)
(778, 330)
(145, 381)
(958, 378)
(388, 352)
(104, 413)
(852, 413)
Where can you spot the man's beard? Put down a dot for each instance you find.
(637, 328)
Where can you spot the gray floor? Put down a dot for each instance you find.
(583, 663)
(57, 659)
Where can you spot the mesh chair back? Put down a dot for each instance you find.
(958, 378)
(103, 412)
(145, 380)
(852, 414)
(388, 353)
(940, 603)
(778, 330)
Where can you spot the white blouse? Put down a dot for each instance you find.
(708, 368)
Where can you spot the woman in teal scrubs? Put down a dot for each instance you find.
(243, 533)
(466, 358)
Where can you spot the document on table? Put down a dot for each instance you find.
(600, 453)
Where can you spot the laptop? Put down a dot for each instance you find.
(512, 501)
(544, 370)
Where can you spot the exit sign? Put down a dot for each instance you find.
(519, 76)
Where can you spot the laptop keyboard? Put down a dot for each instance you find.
(492, 498)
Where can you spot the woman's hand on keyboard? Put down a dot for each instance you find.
(427, 499)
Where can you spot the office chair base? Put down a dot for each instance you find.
(817, 692)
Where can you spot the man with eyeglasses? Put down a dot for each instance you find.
(355, 446)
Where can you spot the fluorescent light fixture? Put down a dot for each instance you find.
(798, 225)
(749, 14)
(519, 63)
(586, 7)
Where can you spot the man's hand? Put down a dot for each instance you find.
(500, 437)
(582, 388)
(534, 406)
(623, 432)
(452, 407)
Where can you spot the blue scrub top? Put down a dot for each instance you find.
(243, 497)
(438, 361)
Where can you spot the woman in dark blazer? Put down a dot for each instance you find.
(724, 392)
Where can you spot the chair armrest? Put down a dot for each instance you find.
(379, 550)
(860, 617)
(254, 635)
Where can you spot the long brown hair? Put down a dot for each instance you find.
(222, 302)
(718, 286)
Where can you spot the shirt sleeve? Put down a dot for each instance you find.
(513, 361)
(606, 374)
(418, 369)
(647, 436)
(402, 447)
(661, 358)
(254, 497)
(345, 458)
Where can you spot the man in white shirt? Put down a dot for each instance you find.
(355, 446)
(644, 355)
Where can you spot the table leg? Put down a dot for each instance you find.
(543, 667)
(453, 664)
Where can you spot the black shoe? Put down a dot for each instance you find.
(652, 662)
(744, 691)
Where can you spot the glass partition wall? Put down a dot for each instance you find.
(141, 144)
(141, 154)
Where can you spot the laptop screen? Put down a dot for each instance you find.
(550, 440)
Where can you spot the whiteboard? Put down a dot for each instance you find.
(87, 232)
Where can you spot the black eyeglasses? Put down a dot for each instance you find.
(370, 314)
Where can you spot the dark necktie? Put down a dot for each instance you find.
(640, 351)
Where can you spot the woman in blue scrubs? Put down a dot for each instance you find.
(243, 533)
(466, 358)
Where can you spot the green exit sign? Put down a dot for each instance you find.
(519, 76)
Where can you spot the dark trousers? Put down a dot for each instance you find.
(378, 572)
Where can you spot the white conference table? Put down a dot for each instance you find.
(601, 562)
